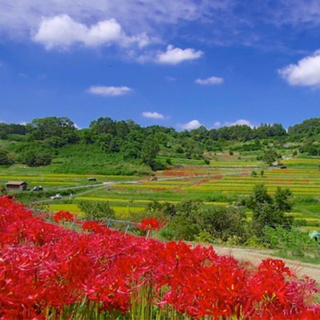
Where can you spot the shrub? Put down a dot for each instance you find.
(254, 174)
(4, 157)
(292, 242)
(95, 210)
(37, 158)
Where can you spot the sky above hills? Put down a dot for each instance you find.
(181, 63)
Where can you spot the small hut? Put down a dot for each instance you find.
(154, 178)
(16, 185)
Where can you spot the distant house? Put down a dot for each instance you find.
(153, 179)
(16, 185)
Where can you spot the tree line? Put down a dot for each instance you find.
(40, 139)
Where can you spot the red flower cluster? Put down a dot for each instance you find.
(44, 265)
(63, 216)
(149, 224)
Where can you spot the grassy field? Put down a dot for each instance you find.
(222, 182)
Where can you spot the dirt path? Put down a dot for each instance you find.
(255, 256)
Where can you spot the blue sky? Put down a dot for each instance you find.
(178, 63)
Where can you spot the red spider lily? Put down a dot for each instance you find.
(46, 266)
(63, 216)
(149, 224)
(93, 226)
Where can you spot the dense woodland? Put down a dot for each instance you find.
(40, 142)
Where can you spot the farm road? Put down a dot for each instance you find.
(255, 256)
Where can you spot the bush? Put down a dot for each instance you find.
(205, 237)
(167, 234)
(4, 158)
(37, 158)
(95, 210)
(254, 174)
(291, 242)
(225, 222)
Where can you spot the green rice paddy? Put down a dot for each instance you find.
(219, 183)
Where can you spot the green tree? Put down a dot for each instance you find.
(269, 157)
(267, 210)
(149, 151)
(38, 158)
(186, 223)
(4, 157)
(259, 196)
(225, 222)
(282, 199)
(43, 128)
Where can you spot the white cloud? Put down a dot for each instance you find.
(152, 115)
(217, 124)
(229, 21)
(176, 55)
(305, 73)
(62, 32)
(210, 81)
(239, 122)
(194, 124)
(170, 79)
(109, 91)
(19, 17)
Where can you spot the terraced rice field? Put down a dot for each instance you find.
(228, 180)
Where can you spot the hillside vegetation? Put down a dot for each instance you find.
(125, 148)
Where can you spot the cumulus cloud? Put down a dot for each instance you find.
(152, 115)
(194, 124)
(305, 73)
(217, 124)
(175, 56)
(19, 17)
(229, 21)
(62, 32)
(239, 122)
(210, 81)
(109, 91)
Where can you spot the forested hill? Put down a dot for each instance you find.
(43, 140)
